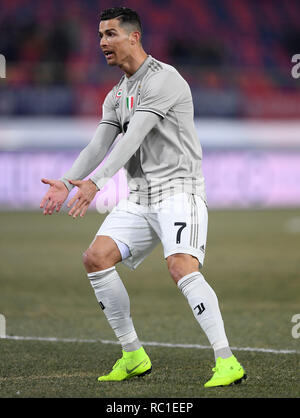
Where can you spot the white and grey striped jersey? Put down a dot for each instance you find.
(169, 159)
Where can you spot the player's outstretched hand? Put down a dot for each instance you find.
(82, 199)
(55, 196)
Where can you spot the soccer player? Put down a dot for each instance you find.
(152, 107)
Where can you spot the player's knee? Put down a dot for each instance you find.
(89, 258)
(96, 259)
(179, 265)
(175, 270)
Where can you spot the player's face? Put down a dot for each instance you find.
(114, 41)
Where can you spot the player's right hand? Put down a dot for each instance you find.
(55, 196)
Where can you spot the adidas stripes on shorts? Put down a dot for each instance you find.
(178, 222)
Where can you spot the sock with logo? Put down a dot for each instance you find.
(204, 304)
(114, 301)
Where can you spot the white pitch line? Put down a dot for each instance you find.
(150, 343)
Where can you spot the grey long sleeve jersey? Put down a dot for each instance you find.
(159, 150)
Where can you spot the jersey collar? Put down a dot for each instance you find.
(140, 70)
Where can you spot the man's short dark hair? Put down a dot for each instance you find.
(124, 15)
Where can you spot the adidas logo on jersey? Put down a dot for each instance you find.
(155, 66)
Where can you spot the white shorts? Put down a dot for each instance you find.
(178, 222)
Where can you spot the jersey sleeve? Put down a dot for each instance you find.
(109, 115)
(92, 155)
(138, 128)
(161, 92)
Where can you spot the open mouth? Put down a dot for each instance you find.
(108, 54)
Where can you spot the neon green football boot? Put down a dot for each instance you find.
(226, 372)
(132, 363)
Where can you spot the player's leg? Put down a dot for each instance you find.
(205, 307)
(115, 242)
(183, 229)
(100, 260)
(184, 270)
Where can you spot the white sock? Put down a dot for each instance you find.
(204, 304)
(114, 301)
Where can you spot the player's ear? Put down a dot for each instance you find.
(134, 37)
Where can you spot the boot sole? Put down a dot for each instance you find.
(239, 381)
(144, 373)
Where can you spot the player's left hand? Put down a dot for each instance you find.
(82, 199)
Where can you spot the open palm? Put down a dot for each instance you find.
(55, 196)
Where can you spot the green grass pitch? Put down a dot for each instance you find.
(252, 263)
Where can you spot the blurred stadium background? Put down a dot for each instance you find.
(237, 57)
